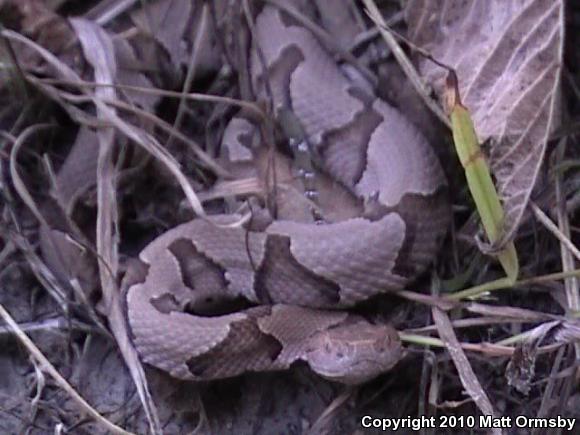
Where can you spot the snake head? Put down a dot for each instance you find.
(354, 353)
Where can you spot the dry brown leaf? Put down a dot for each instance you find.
(37, 20)
(99, 52)
(128, 74)
(166, 21)
(521, 368)
(507, 54)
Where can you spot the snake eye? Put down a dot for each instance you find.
(343, 350)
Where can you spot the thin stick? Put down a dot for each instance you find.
(551, 226)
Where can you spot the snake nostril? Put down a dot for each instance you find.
(382, 346)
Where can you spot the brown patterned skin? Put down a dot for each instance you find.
(383, 202)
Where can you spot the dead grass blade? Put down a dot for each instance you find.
(200, 34)
(98, 49)
(19, 185)
(564, 239)
(466, 373)
(571, 285)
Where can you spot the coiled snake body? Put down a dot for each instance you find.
(382, 193)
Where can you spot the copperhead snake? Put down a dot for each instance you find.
(382, 212)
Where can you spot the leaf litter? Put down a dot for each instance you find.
(508, 56)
